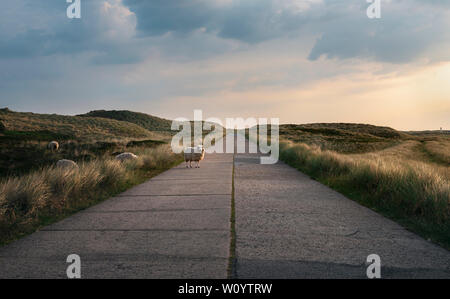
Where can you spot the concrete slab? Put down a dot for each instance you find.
(58, 245)
(182, 187)
(328, 248)
(207, 219)
(276, 269)
(119, 266)
(163, 203)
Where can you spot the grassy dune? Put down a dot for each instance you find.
(343, 138)
(24, 125)
(24, 138)
(404, 177)
(438, 150)
(149, 122)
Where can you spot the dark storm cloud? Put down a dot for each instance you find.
(248, 21)
(53, 33)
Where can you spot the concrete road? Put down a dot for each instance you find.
(177, 225)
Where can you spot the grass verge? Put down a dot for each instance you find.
(49, 194)
(412, 193)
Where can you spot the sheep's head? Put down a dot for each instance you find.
(199, 149)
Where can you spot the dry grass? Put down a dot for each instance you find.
(48, 194)
(439, 150)
(397, 182)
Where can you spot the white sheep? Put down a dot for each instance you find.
(66, 164)
(126, 156)
(194, 154)
(54, 146)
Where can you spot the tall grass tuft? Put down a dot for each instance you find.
(23, 197)
(155, 158)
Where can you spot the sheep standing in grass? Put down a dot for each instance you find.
(66, 164)
(54, 146)
(194, 154)
(126, 156)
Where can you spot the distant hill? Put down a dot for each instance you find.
(149, 122)
(33, 126)
(345, 129)
(428, 133)
(344, 137)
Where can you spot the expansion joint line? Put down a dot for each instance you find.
(231, 271)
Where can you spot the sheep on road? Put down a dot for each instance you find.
(196, 154)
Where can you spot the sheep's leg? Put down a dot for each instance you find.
(187, 166)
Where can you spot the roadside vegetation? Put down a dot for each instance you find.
(18, 157)
(404, 177)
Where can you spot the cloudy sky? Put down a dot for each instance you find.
(300, 60)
